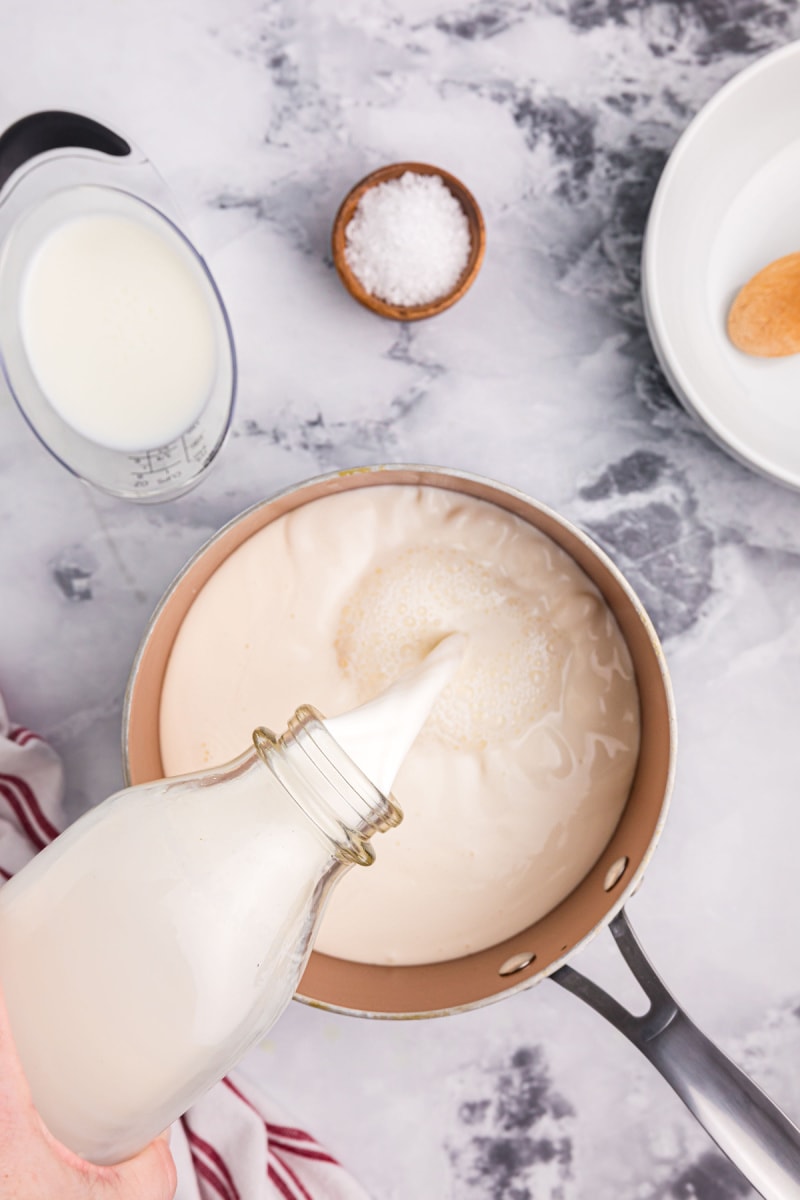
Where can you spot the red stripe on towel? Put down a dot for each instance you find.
(206, 1173)
(302, 1192)
(22, 736)
(280, 1184)
(233, 1088)
(26, 791)
(215, 1157)
(287, 1132)
(316, 1153)
(22, 816)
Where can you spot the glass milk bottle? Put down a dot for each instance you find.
(160, 936)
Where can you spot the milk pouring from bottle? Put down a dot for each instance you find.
(158, 938)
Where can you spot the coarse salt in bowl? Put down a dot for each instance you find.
(408, 241)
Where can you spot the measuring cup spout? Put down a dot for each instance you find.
(746, 1125)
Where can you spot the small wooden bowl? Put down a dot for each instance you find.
(477, 232)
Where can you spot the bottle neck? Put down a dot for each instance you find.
(327, 785)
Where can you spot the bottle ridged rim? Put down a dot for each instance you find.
(351, 789)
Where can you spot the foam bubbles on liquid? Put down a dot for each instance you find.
(512, 671)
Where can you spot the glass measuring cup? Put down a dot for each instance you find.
(46, 180)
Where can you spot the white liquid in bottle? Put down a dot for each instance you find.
(160, 936)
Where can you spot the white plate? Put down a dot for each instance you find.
(728, 203)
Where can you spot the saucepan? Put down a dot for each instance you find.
(745, 1124)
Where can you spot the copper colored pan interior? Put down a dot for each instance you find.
(442, 987)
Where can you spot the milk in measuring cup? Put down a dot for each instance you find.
(116, 320)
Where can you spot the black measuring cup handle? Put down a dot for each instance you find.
(742, 1120)
(54, 130)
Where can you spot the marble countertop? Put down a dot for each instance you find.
(559, 115)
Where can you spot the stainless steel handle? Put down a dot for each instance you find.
(742, 1120)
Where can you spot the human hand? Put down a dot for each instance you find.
(34, 1166)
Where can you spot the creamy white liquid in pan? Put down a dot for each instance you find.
(516, 783)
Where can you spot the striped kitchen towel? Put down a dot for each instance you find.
(234, 1144)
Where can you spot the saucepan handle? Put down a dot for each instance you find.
(54, 130)
(741, 1119)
